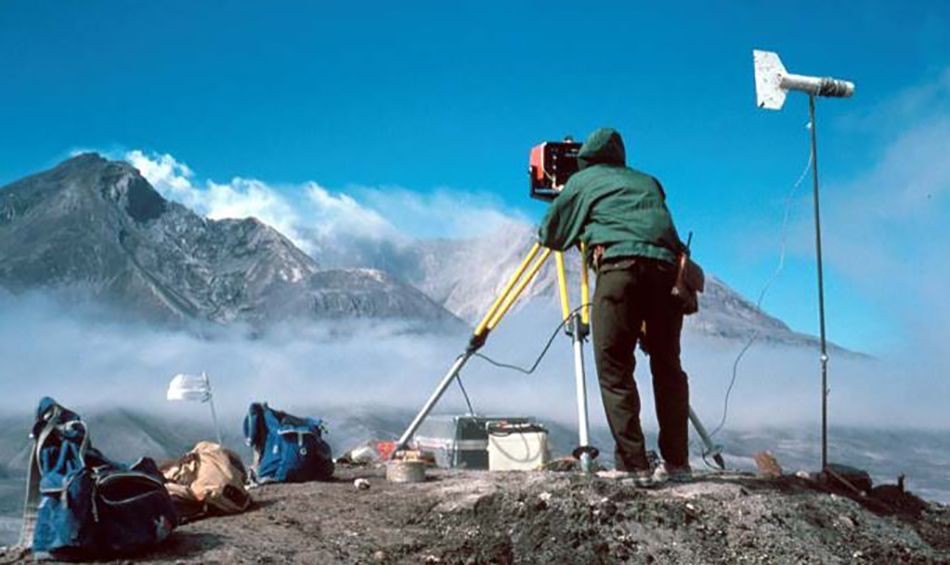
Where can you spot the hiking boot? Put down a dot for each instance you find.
(673, 474)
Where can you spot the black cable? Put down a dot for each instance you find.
(732, 383)
(758, 305)
(471, 411)
(543, 351)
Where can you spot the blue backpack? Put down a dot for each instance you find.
(81, 505)
(286, 448)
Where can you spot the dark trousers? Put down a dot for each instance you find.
(626, 296)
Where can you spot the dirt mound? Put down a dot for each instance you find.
(547, 517)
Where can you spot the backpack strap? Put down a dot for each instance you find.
(256, 435)
(33, 481)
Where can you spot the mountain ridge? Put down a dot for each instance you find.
(98, 227)
(94, 224)
(466, 275)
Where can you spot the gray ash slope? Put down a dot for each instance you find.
(98, 228)
(470, 517)
(760, 517)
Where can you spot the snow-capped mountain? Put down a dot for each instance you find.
(97, 227)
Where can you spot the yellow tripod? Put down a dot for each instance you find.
(579, 328)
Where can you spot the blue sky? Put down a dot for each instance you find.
(445, 100)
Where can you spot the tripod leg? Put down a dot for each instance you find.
(562, 286)
(584, 452)
(502, 304)
(507, 290)
(711, 449)
(514, 294)
(585, 288)
(430, 404)
(580, 380)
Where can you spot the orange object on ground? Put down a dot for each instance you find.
(386, 449)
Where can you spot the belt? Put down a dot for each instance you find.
(628, 261)
(616, 263)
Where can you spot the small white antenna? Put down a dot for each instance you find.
(772, 82)
(197, 388)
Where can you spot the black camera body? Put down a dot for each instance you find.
(550, 166)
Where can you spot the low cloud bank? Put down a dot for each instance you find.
(86, 359)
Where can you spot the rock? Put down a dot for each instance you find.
(768, 465)
(847, 477)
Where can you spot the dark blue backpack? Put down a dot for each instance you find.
(286, 448)
(81, 505)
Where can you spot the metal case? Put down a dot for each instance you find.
(461, 442)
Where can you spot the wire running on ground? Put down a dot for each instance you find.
(789, 199)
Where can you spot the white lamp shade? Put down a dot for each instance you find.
(189, 387)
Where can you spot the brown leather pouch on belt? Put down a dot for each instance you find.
(690, 281)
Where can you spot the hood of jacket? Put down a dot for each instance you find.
(602, 147)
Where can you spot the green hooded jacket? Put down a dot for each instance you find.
(606, 203)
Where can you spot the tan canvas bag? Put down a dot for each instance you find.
(208, 479)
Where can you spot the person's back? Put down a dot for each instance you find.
(609, 204)
(621, 215)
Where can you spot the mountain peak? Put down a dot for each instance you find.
(123, 184)
(83, 158)
(86, 175)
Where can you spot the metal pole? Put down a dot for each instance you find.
(214, 415)
(821, 290)
(581, 382)
(430, 404)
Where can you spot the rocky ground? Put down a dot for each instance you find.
(459, 517)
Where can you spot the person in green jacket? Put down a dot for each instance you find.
(621, 216)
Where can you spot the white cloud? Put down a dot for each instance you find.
(244, 198)
(167, 175)
(312, 216)
(444, 212)
(340, 214)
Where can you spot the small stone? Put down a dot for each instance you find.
(361, 484)
(379, 556)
